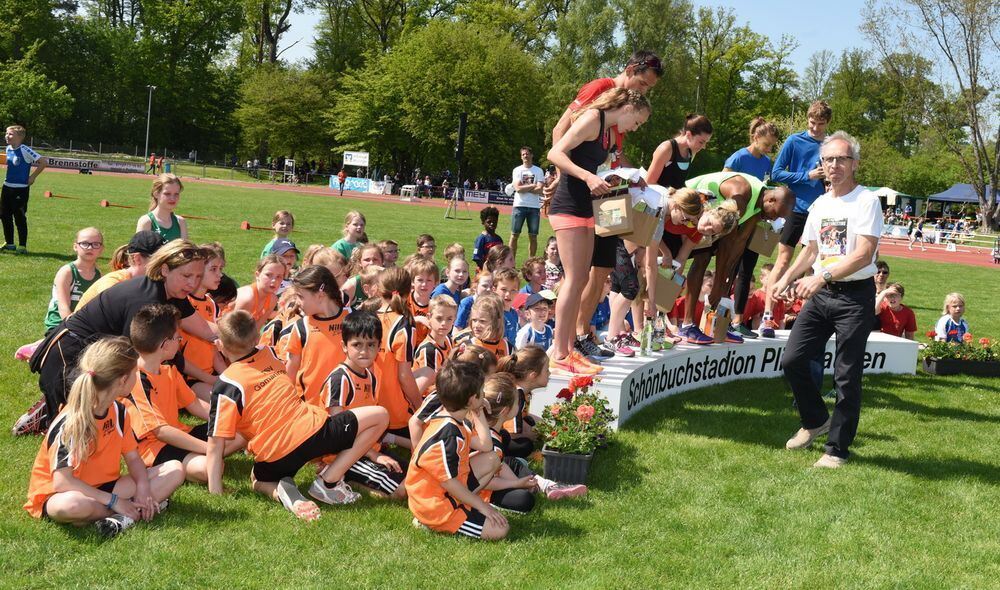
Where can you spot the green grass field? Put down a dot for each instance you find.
(697, 491)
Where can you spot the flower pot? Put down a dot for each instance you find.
(566, 467)
(937, 366)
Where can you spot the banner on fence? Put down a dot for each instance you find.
(356, 159)
(487, 197)
(96, 165)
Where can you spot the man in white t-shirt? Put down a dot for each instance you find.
(840, 244)
(527, 180)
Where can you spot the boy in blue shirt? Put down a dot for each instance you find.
(485, 241)
(535, 331)
(14, 196)
(797, 166)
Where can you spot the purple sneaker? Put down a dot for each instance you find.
(733, 337)
(692, 335)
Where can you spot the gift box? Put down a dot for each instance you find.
(764, 240)
(669, 284)
(613, 216)
(643, 226)
(715, 323)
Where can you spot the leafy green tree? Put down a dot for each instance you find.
(30, 98)
(280, 113)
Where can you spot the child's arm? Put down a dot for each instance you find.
(219, 363)
(183, 224)
(143, 498)
(40, 165)
(197, 373)
(292, 365)
(424, 378)
(215, 466)
(63, 480)
(687, 246)
(408, 384)
(941, 329)
(460, 491)
(180, 439)
(482, 441)
(416, 427)
(198, 408)
(144, 224)
(63, 285)
(196, 325)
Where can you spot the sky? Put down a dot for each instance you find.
(822, 28)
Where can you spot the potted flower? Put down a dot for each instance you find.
(572, 429)
(969, 357)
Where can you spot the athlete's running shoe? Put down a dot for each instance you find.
(617, 345)
(733, 337)
(569, 366)
(586, 362)
(746, 332)
(113, 525)
(34, 421)
(339, 493)
(693, 335)
(767, 328)
(629, 340)
(558, 491)
(588, 348)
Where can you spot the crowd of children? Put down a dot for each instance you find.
(343, 359)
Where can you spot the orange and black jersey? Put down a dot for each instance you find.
(114, 440)
(396, 348)
(430, 407)
(255, 398)
(498, 445)
(320, 346)
(420, 329)
(499, 348)
(155, 401)
(199, 352)
(442, 454)
(516, 424)
(431, 354)
(347, 389)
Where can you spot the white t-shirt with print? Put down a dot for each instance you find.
(527, 175)
(835, 223)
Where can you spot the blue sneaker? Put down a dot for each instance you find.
(692, 335)
(733, 336)
(767, 329)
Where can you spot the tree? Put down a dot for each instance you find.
(816, 77)
(961, 37)
(30, 98)
(280, 112)
(403, 106)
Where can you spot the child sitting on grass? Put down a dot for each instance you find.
(259, 298)
(425, 276)
(441, 494)
(533, 271)
(364, 257)
(283, 223)
(315, 347)
(353, 384)
(76, 477)
(505, 282)
(74, 278)
(426, 246)
(484, 284)
(160, 393)
(894, 317)
(254, 398)
(530, 369)
(536, 331)
(753, 312)
(488, 238)
(390, 252)
(466, 353)
(952, 327)
(202, 362)
(456, 277)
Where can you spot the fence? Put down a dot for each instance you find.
(944, 239)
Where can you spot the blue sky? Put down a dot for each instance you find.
(815, 26)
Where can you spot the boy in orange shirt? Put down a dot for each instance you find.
(255, 398)
(202, 363)
(425, 275)
(443, 482)
(160, 392)
(352, 385)
(436, 347)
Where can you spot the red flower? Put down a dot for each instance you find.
(584, 413)
(565, 394)
(931, 334)
(581, 381)
(967, 337)
(984, 342)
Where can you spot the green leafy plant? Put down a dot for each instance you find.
(579, 422)
(969, 349)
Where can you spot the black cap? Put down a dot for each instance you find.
(145, 242)
(282, 245)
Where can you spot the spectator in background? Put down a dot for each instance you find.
(881, 276)
(341, 179)
(894, 317)
(152, 164)
(527, 180)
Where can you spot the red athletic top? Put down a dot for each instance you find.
(897, 323)
(682, 230)
(587, 94)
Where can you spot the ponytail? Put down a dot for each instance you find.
(120, 258)
(697, 124)
(318, 279)
(393, 290)
(102, 364)
(524, 361)
(760, 127)
(728, 214)
(473, 353)
(499, 395)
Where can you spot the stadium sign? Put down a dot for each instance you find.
(356, 159)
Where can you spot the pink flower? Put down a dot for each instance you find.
(555, 409)
(967, 337)
(984, 342)
(585, 413)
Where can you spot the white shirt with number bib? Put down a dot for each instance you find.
(835, 223)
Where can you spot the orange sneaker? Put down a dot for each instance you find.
(568, 366)
(584, 361)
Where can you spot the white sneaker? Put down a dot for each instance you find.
(830, 461)
(341, 493)
(113, 525)
(805, 437)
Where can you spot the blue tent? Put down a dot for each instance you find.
(961, 193)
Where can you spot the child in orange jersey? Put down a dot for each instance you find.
(425, 276)
(202, 362)
(467, 353)
(442, 483)
(353, 384)
(398, 393)
(255, 399)
(486, 327)
(76, 477)
(436, 347)
(276, 332)
(530, 369)
(259, 298)
(160, 393)
(315, 347)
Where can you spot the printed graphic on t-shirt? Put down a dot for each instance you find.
(832, 239)
(527, 178)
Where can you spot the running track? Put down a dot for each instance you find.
(972, 256)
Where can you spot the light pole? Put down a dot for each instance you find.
(149, 110)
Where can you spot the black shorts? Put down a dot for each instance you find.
(795, 224)
(473, 525)
(673, 242)
(172, 453)
(376, 477)
(106, 487)
(605, 251)
(336, 434)
(624, 277)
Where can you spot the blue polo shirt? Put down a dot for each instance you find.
(744, 161)
(797, 157)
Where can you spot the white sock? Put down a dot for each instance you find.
(544, 484)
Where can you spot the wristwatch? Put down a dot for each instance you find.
(827, 277)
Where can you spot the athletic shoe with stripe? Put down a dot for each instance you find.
(593, 367)
(569, 366)
(589, 349)
(34, 421)
(693, 335)
(733, 337)
(559, 491)
(767, 328)
(746, 332)
(339, 493)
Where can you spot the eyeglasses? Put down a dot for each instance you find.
(836, 159)
(90, 245)
(652, 63)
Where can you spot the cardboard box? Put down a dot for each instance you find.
(613, 216)
(668, 287)
(764, 240)
(716, 323)
(643, 227)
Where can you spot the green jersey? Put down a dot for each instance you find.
(712, 182)
(77, 288)
(169, 233)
